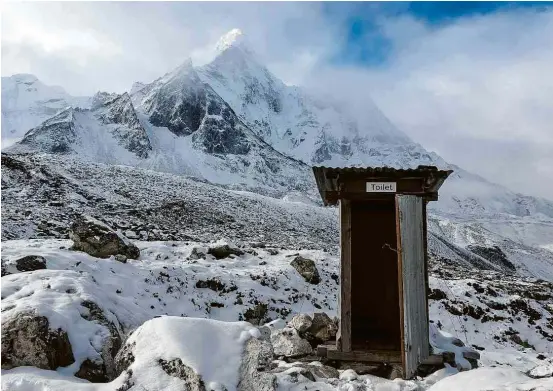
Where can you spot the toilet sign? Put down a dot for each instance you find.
(381, 187)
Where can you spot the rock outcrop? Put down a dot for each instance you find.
(307, 269)
(97, 239)
(288, 343)
(224, 251)
(28, 340)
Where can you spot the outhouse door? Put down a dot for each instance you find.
(411, 262)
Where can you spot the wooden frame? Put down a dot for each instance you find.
(343, 339)
(344, 186)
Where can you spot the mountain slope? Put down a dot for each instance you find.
(232, 122)
(179, 125)
(27, 102)
(110, 131)
(312, 130)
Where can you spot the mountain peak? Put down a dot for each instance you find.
(234, 37)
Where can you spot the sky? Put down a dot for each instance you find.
(471, 81)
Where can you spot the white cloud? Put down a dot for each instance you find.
(479, 91)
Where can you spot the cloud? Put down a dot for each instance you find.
(477, 90)
(108, 46)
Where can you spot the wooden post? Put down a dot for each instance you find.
(343, 340)
(425, 239)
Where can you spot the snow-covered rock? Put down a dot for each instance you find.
(27, 102)
(173, 353)
(491, 379)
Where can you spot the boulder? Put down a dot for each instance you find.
(307, 269)
(288, 343)
(255, 365)
(322, 328)
(30, 263)
(97, 239)
(28, 340)
(301, 322)
(121, 258)
(224, 251)
(541, 371)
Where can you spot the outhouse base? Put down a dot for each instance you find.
(371, 359)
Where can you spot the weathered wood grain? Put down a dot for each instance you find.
(412, 268)
(343, 340)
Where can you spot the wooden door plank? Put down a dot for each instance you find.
(412, 268)
(343, 340)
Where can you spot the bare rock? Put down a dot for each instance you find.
(176, 368)
(121, 258)
(287, 342)
(257, 314)
(307, 269)
(97, 239)
(224, 251)
(301, 322)
(124, 358)
(30, 263)
(27, 340)
(322, 329)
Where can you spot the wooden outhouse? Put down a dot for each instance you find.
(383, 273)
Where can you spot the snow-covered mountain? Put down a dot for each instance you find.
(27, 102)
(316, 131)
(233, 122)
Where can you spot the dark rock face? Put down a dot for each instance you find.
(178, 102)
(322, 329)
(30, 263)
(98, 240)
(55, 135)
(176, 368)
(224, 251)
(124, 358)
(93, 371)
(257, 314)
(316, 330)
(186, 106)
(221, 131)
(493, 254)
(27, 340)
(307, 269)
(131, 134)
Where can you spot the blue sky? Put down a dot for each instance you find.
(365, 45)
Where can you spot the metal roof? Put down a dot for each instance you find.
(330, 180)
